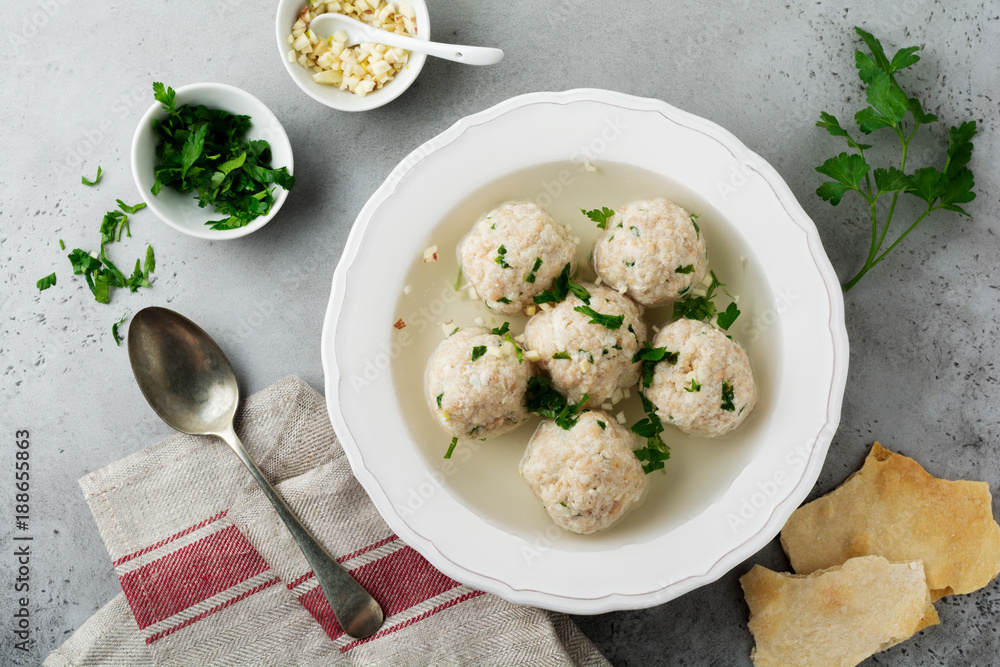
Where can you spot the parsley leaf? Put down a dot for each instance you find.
(562, 354)
(694, 386)
(478, 351)
(97, 179)
(599, 215)
(504, 331)
(501, 260)
(439, 397)
(613, 322)
(46, 282)
(543, 400)
(703, 308)
(451, 448)
(890, 107)
(728, 394)
(726, 318)
(656, 450)
(649, 356)
(561, 288)
(114, 329)
(685, 269)
(530, 278)
(130, 209)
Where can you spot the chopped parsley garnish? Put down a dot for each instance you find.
(629, 264)
(685, 269)
(694, 221)
(656, 451)
(602, 424)
(635, 230)
(501, 260)
(478, 351)
(451, 448)
(114, 329)
(439, 397)
(727, 317)
(563, 354)
(599, 215)
(204, 151)
(472, 431)
(694, 386)
(727, 397)
(62, 246)
(649, 356)
(561, 288)
(46, 282)
(97, 179)
(530, 278)
(458, 280)
(130, 209)
(543, 400)
(703, 308)
(504, 331)
(503, 299)
(613, 322)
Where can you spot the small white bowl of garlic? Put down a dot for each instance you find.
(351, 78)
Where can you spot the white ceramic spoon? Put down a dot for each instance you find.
(325, 25)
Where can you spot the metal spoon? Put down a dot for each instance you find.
(191, 385)
(325, 25)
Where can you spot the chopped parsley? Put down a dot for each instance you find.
(97, 179)
(703, 308)
(114, 329)
(613, 322)
(204, 151)
(62, 246)
(635, 230)
(561, 288)
(501, 260)
(656, 450)
(599, 215)
(478, 351)
(694, 221)
(630, 264)
(694, 386)
(685, 269)
(130, 209)
(475, 428)
(727, 397)
(439, 397)
(458, 280)
(503, 299)
(46, 282)
(504, 331)
(602, 424)
(649, 356)
(530, 278)
(543, 400)
(563, 354)
(451, 448)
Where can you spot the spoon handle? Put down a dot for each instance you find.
(356, 610)
(470, 55)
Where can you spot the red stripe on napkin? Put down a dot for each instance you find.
(399, 581)
(125, 559)
(190, 575)
(344, 559)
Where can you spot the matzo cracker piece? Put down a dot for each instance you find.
(835, 617)
(892, 507)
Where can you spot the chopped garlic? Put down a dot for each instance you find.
(472, 293)
(620, 417)
(598, 281)
(530, 310)
(587, 166)
(606, 406)
(407, 289)
(532, 355)
(479, 321)
(431, 254)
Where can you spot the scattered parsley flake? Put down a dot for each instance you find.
(685, 269)
(543, 400)
(728, 394)
(649, 356)
(561, 288)
(114, 329)
(530, 278)
(97, 179)
(478, 351)
(613, 322)
(562, 354)
(439, 397)
(694, 386)
(451, 448)
(46, 282)
(602, 424)
(600, 216)
(501, 260)
(656, 450)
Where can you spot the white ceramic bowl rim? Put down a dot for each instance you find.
(332, 96)
(823, 312)
(181, 211)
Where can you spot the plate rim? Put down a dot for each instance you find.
(780, 511)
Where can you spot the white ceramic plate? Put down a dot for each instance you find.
(655, 554)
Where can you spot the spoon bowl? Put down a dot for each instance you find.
(188, 381)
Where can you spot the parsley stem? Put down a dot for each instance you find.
(903, 235)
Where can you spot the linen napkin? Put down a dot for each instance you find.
(210, 575)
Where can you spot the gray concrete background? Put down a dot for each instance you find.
(76, 78)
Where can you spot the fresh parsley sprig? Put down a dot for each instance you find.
(613, 322)
(703, 308)
(561, 289)
(888, 107)
(599, 215)
(649, 356)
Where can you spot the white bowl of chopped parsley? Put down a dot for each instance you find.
(211, 160)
